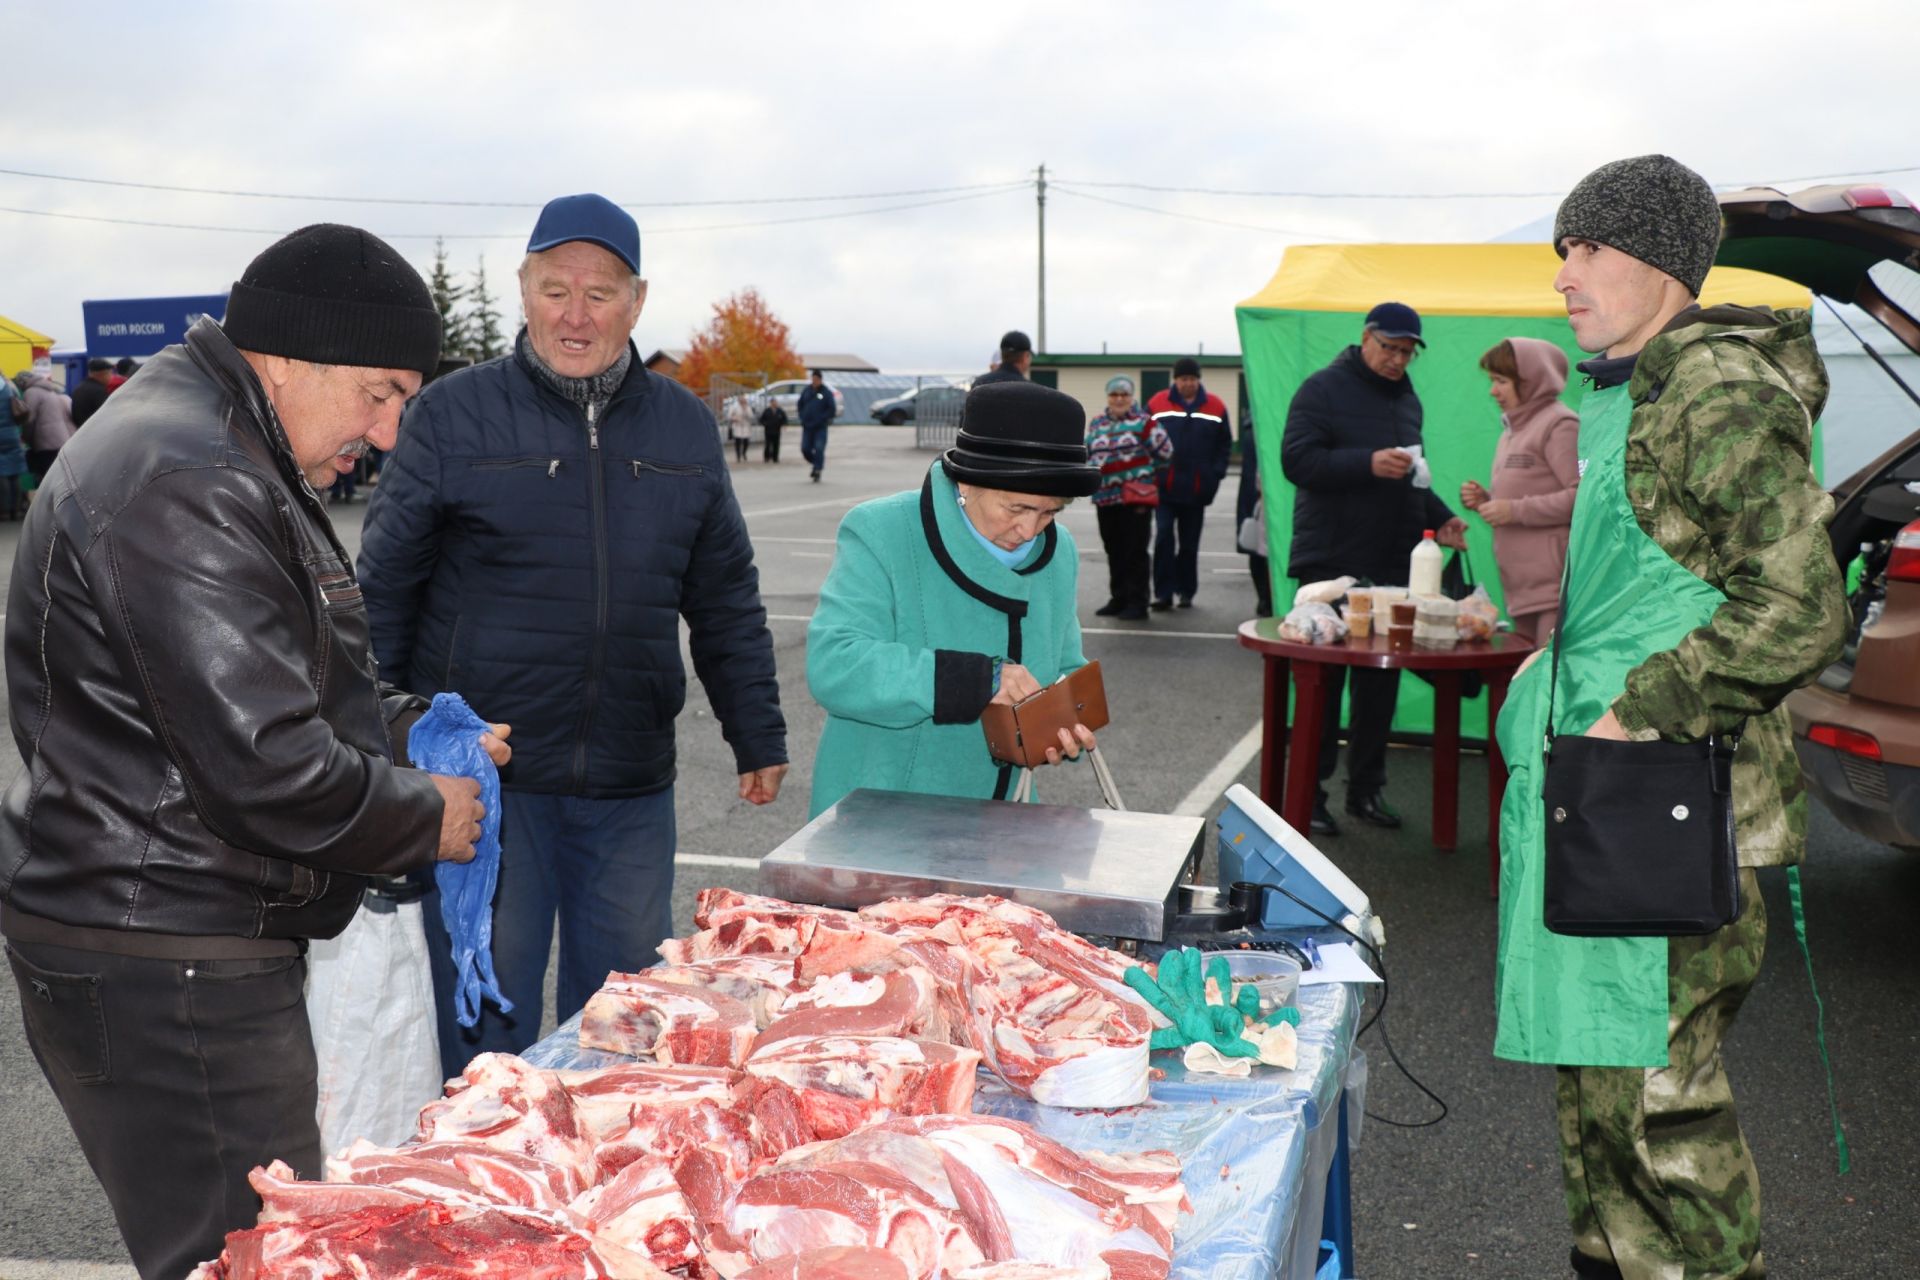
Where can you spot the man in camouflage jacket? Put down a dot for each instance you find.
(1659, 1181)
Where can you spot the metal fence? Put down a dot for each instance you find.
(725, 390)
(936, 413)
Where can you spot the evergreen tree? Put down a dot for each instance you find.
(484, 337)
(447, 297)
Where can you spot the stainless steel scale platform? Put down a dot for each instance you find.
(1096, 871)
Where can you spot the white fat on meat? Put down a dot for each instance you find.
(508, 1105)
(1022, 1196)
(643, 1210)
(761, 982)
(843, 1082)
(904, 1002)
(842, 1262)
(638, 1015)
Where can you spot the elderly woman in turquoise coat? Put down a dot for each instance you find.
(944, 599)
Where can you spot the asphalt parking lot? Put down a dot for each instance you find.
(1477, 1195)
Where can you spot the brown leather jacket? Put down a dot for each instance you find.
(206, 751)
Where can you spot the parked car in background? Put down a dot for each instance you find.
(1857, 728)
(944, 397)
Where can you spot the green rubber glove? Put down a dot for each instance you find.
(1247, 1001)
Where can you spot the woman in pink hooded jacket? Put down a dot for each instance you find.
(1535, 471)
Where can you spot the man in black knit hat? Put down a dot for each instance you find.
(210, 768)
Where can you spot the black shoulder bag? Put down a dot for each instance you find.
(1639, 835)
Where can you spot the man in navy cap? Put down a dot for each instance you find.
(547, 520)
(1350, 447)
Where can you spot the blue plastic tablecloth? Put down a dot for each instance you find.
(1242, 1143)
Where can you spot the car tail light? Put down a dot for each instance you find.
(1851, 741)
(1903, 565)
(1865, 197)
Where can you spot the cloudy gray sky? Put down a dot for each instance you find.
(653, 104)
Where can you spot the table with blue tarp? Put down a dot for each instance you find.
(1256, 1152)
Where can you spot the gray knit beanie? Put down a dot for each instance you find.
(1649, 207)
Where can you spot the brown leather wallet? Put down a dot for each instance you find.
(1021, 733)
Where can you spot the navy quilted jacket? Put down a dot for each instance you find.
(539, 565)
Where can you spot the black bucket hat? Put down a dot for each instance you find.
(1024, 438)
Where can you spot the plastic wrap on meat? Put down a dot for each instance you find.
(638, 1015)
(502, 1102)
(843, 1082)
(1095, 1270)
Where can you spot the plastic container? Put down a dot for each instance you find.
(1423, 569)
(1276, 977)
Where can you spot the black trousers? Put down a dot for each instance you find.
(1125, 532)
(178, 1077)
(1374, 695)
(1261, 570)
(1176, 551)
(770, 450)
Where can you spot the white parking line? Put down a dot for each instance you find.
(812, 555)
(812, 506)
(1158, 633)
(702, 860)
(22, 1269)
(1221, 776)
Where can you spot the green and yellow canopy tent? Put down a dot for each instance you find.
(1469, 297)
(17, 343)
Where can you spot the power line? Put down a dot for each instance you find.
(1002, 189)
(490, 204)
(1067, 189)
(1450, 195)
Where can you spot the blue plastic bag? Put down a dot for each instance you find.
(446, 740)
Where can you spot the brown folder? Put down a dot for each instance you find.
(1021, 733)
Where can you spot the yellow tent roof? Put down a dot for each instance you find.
(14, 331)
(1464, 280)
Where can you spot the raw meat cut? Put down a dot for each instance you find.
(1047, 1009)
(502, 1102)
(1095, 1270)
(421, 1242)
(1016, 1195)
(495, 1176)
(843, 1082)
(638, 1015)
(844, 1262)
(284, 1198)
(605, 1097)
(901, 1003)
(761, 982)
(828, 1202)
(643, 1210)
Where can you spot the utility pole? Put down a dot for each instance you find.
(1040, 194)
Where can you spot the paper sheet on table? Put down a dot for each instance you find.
(1338, 963)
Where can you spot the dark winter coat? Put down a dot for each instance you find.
(1202, 446)
(1345, 518)
(816, 406)
(539, 564)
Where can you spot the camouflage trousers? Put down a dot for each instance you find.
(1659, 1181)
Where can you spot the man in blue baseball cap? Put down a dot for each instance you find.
(1351, 441)
(545, 523)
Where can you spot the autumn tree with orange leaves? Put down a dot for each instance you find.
(744, 336)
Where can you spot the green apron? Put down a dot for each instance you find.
(1599, 1002)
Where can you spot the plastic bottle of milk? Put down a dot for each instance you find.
(1423, 570)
